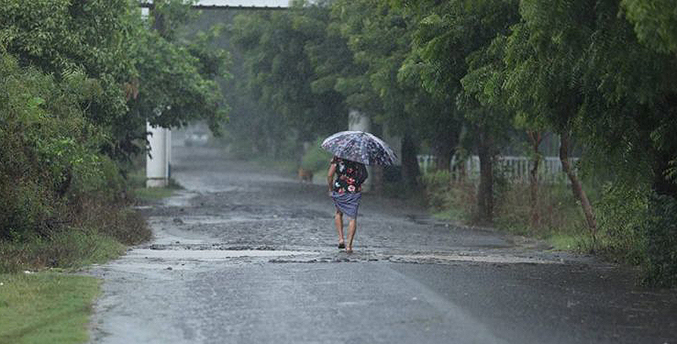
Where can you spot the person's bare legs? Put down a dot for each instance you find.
(352, 228)
(338, 220)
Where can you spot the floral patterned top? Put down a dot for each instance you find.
(349, 175)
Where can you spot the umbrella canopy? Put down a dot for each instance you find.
(361, 147)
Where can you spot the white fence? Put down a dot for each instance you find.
(514, 168)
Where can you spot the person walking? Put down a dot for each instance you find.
(346, 191)
(352, 150)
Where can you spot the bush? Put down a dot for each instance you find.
(437, 186)
(46, 146)
(450, 200)
(660, 230)
(640, 228)
(557, 210)
(72, 248)
(621, 214)
(59, 196)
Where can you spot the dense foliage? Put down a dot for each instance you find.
(79, 80)
(460, 77)
(145, 74)
(47, 147)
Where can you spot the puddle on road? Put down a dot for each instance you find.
(419, 259)
(215, 220)
(209, 255)
(497, 259)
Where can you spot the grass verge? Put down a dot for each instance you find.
(70, 249)
(143, 195)
(50, 307)
(45, 307)
(570, 242)
(559, 222)
(148, 195)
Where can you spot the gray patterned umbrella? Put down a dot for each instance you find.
(361, 147)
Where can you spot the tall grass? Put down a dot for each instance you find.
(634, 226)
(559, 214)
(68, 249)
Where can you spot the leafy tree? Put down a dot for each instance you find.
(372, 87)
(546, 93)
(280, 71)
(485, 81)
(450, 37)
(109, 42)
(380, 38)
(655, 23)
(94, 36)
(631, 101)
(176, 78)
(612, 85)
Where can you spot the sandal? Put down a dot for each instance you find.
(341, 245)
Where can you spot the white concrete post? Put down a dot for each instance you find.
(360, 122)
(157, 159)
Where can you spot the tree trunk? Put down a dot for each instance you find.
(576, 187)
(410, 170)
(535, 137)
(444, 151)
(485, 194)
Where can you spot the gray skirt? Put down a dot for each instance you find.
(347, 203)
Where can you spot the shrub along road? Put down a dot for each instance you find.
(246, 256)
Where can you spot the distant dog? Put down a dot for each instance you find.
(305, 175)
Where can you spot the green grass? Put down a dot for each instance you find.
(147, 195)
(142, 194)
(565, 242)
(46, 307)
(581, 243)
(136, 180)
(70, 249)
(449, 214)
(51, 307)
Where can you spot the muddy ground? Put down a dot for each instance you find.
(244, 255)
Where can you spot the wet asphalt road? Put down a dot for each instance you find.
(243, 255)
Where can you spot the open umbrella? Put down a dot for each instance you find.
(361, 147)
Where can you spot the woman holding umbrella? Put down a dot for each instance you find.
(346, 191)
(352, 150)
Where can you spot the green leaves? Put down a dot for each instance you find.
(47, 146)
(293, 64)
(79, 79)
(655, 23)
(129, 72)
